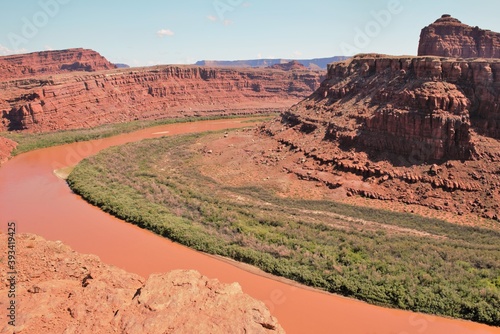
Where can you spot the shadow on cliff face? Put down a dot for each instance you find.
(77, 66)
(13, 119)
(403, 153)
(429, 139)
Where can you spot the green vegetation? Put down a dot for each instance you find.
(32, 141)
(398, 260)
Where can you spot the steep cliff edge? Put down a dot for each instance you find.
(79, 100)
(426, 107)
(448, 37)
(52, 62)
(420, 130)
(58, 290)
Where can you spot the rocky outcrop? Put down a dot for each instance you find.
(419, 130)
(448, 37)
(424, 106)
(292, 65)
(87, 100)
(60, 291)
(6, 147)
(52, 62)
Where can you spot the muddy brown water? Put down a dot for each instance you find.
(39, 202)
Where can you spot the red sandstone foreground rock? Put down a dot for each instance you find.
(417, 130)
(82, 100)
(448, 37)
(61, 291)
(51, 62)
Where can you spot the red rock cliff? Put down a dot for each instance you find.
(52, 62)
(76, 100)
(377, 123)
(448, 37)
(424, 106)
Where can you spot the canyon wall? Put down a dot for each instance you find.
(52, 62)
(76, 100)
(423, 106)
(59, 290)
(417, 130)
(448, 37)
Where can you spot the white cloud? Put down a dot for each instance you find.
(246, 4)
(259, 55)
(48, 48)
(164, 32)
(212, 18)
(227, 22)
(4, 51)
(297, 54)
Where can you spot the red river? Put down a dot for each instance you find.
(40, 203)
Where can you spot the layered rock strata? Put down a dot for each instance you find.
(421, 130)
(448, 37)
(61, 291)
(52, 62)
(77, 100)
(424, 106)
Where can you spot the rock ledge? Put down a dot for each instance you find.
(62, 291)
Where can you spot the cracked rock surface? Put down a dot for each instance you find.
(61, 291)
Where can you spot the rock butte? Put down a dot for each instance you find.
(419, 130)
(448, 37)
(60, 290)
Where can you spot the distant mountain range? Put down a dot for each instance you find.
(317, 63)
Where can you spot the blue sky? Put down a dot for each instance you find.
(149, 32)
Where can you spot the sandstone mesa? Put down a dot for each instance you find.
(416, 130)
(448, 37)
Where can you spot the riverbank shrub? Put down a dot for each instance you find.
(420, 264)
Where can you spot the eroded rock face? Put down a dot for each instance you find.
(448, 37)
(52, 62)
(86, 100)
(422, 106)
(378, 123)
(61, 291)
